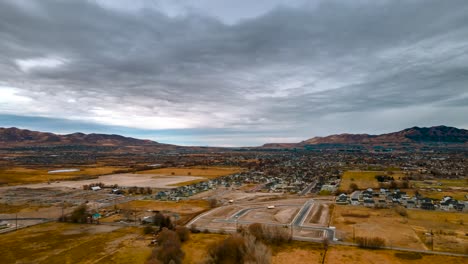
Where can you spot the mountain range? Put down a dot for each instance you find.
(23, 137)
(11, 137)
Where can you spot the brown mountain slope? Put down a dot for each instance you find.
(414, 134)
(21, 137)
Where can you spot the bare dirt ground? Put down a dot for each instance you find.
(318, 215)
(225, 194)
(124, 180)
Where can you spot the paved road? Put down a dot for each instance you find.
(302, 214)
(296, 224)
(308, 188)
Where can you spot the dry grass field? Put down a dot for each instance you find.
(363, 179)
(183, 206)
(297, 252)
(71, 243)
(196, 247)
(409, 232)
(354, 255)
(437, 189)
(19, 175)
(186, 209)
(206, 172)
(199, 171)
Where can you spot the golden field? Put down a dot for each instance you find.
(206, 172)
(409, 232)
(72, 243)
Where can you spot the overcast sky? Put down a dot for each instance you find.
(233, 73)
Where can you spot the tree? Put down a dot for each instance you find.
(168, 250)
(80, 214)
(183, 233)
(353, 187)
(213, 202)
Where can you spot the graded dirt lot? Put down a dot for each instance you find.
(399, 231)
(202, 173)
(123, 179)
(73, 243)
(19, 175)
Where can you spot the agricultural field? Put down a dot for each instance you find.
(20, 175)
(71, 243)
(404, 231)
(363, 179)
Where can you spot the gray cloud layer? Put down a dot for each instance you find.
(295, 70)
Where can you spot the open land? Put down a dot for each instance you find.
(363, 179)
(23, 175)
(242, 185)
(71, 243)
(403, 231)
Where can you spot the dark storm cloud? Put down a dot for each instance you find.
(289, 69)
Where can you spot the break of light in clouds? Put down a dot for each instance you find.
(233, 73)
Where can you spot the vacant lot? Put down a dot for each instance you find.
(409, 232)
(354, 255)
(72, 243)
(185, 209)
(297, 252)
(206, 172)
(183, 206)
(363, 179)
(437, 189)
(123, 179)
(196, 247)
(18, 175)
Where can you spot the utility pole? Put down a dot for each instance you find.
(16, 225)
(292, 232)
(432, 241)
(354, 235)
(63, 206)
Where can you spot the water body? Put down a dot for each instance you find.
(63, 170)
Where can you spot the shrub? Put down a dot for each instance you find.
(408, 255)
(370, 242)
(401, 211)
(353, 187)
(213, 202)
(270, 234)
(148, 230)
(183, 233)
(193, 229)
(239, 248)
(80, 214)
(168, 249)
